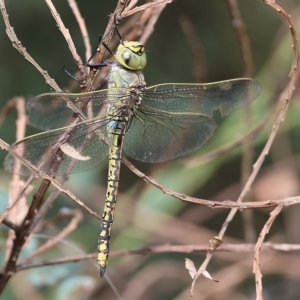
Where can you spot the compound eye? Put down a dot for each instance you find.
(131, 60)
(131, 55)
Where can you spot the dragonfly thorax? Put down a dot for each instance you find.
(123, 78)
(134, 99)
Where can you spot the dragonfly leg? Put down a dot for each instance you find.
(69, 74)
(102, 64)
(95, 51)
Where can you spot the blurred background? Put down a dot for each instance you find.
(145, 216)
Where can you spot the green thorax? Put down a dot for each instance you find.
(121, 77)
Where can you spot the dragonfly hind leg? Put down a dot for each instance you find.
(70, 75)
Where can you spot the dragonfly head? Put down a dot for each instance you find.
(131, 55)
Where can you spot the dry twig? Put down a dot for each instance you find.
(166, 248)
(256, 263)
(76, 217)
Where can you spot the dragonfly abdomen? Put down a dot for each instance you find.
(116, 134)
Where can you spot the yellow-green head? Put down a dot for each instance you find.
(131, 55)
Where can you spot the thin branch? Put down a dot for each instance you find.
(130, 11)
(22, 236)
(242, 36)
(65, 32)
(258, 248)
(17, 209)
(209, 203)
(16, 185)
(83, 29)
(18, 45)
(76, 218)
(48, 203)
(11, 225)
(166, 248)
(154, 13)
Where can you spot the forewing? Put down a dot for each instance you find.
(224, 96)
(55, 110)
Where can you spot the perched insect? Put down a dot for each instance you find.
(151, 124)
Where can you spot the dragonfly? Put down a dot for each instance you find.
(151, 124)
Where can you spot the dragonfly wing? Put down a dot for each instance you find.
(224, 96)
(161, 137)
(176, 119)
(55, 110)
(82, 147)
